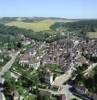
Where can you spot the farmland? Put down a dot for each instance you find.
(36, 26)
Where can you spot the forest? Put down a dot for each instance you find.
(80, 27)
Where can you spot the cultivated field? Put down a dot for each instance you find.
(92, 34)
(36, 26)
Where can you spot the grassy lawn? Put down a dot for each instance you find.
(55, 68)
(31, 97)
(92, 34)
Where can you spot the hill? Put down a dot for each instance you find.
(36, 24)
(81, 28)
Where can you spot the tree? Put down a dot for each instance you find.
(74, 99)
(19, 45)
(10, 86)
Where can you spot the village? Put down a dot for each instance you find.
(56, 63)
(48, 50)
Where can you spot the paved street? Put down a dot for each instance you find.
(62, 79)
(7, 66)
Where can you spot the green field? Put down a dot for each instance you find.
(92, 34)
(36, 26)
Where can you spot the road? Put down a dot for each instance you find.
(7, 66)
(64, 89)
(88, 71)
(62, 79)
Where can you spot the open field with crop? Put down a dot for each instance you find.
(92, 34)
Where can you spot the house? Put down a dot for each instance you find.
(1, 60)
(35, 63)
(1, 84)
(30, 60)
(81, 89)
(95, 96)
(16, 77)
(49, 77)
(16, 95)
(2, 80)
(25, 59)
(26, 42)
